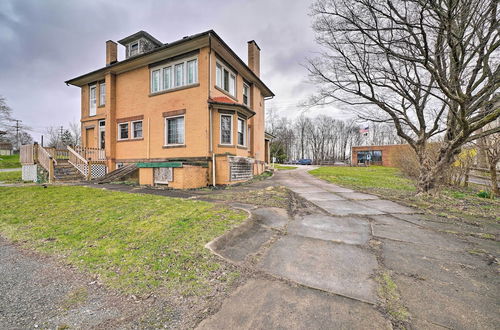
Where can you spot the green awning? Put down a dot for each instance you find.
(163, 164)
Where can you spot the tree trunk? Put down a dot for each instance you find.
(494, 182)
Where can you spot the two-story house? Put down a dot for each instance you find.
(189, 113)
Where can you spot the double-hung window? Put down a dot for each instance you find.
(225, 79)
(92, 100)
(102, 94)
(122, 131)
(241, 132)
(174, 130)
(246, 95)
(226, 129)
(137, 129)
(174, 75)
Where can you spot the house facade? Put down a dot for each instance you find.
(189, 113)
(383, 155)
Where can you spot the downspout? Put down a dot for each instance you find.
(210, 126)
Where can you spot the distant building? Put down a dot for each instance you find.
(6, 148)
(376, 155)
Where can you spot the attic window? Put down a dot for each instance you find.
(134, 48)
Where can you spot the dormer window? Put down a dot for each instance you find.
(134, 48)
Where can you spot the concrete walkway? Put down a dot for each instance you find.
(10, 169)
(324, 263)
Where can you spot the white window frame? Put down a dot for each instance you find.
(244, 132)
(92, 101)
(102, 101)
(119, 131)
(101, 128)
(220, 129)
(166, 144)
(247, 88)
(133, 130)
(172, 65)
(220, 83)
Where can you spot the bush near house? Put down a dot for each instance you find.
(462, 204)
(132, 242)
(11, 161)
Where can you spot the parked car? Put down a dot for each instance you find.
(305, 162)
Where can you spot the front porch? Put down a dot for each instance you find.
(44, 164)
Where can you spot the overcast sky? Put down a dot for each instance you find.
(47, 42)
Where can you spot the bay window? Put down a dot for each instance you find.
(226, 129)
(241, 132)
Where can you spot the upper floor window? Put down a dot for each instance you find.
(92, 100)
(133, 48)
(225, 79)
(174, 75)
(246, 95)
(102, 93)
(226, 129)
(174, 130)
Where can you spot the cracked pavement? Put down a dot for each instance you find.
(319, 267)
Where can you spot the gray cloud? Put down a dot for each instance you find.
(48, 42)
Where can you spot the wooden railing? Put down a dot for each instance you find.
(80, 163)
(92, 154)
(46, 161)
(58, 153)
(27, 154)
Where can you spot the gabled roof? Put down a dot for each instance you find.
(138, 35)
(120, 65)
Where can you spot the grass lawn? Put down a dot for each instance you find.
(283, 167)
(132, 242)
(387, 182)
(10, 161)
(10, 177)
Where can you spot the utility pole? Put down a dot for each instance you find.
(60, 136)
(17, 133)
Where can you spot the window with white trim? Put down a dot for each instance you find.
(137, 129)
(92, 100)
(102, 93)
(246, 95)
(174, 130)
(174, 75)
(226, 129)
(122, 131)
(225, 79)
(241, 132)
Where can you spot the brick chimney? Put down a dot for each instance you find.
(254, 57)
(111, 52)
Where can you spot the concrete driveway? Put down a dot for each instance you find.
(353, 260)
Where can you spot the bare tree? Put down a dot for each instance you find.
(426, 66)
(76, 133)
(5, 115)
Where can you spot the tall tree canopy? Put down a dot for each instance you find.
(431, 67)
